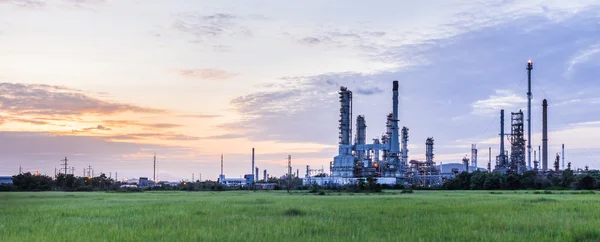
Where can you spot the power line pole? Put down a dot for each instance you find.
(289, 172)
(21, 170)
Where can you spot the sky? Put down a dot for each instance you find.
(108, 84)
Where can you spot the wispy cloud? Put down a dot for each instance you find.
(127, 123)
(200, 116)
(502, 99)
(583, 57)
(32, 99)
(203, 27)
(150, 136)
(206, 74)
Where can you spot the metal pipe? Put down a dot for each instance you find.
(529, 97)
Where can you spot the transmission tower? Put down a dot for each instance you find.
(66, 165)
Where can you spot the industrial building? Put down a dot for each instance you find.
(6, 180)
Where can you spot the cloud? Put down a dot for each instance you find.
(99, 127)
(312, 40)
(203, 27)
(583, 57)
(23, 120)
(225, 136)
(36, 99)
(32, 4)
(200, 116)
(369, 90)
(150, 136)
(502, 99)
(125, 123)
(206, 74)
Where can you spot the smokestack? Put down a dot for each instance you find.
(490, 161)
(221, 164)
(265, 175)
(256, 177)
(395, 146)
(563, 156)
(502, 137)
(529, 97)
(253, 163)
(545, 135)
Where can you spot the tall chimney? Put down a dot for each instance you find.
(395, 146)
(265, 175)
(563, 156)
(544, 135)
(256, 177)
(490, 161)
(253, 163)
(502, 138)
(529, 97)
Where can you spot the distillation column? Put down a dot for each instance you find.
(394, 144)
(404, 162)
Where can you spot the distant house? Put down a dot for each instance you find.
(6, 180)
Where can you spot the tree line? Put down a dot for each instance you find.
(479, 180)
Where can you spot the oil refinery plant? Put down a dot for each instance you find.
(386, 158)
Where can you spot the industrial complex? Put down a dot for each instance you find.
(386, 158)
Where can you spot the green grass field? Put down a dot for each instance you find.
(278, 216)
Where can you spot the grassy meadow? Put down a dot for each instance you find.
(301, 216)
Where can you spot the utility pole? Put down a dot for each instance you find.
(529, 97)
(21, 170)
(289, 172)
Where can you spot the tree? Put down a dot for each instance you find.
(513, 182)
(478, 180)
(585, 182)
(30, 182)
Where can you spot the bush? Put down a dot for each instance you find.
(407, 191)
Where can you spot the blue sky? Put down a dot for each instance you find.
(111, 82)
